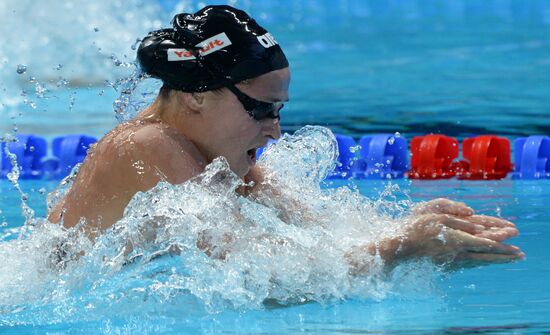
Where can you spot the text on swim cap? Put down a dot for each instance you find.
(267, 40)
(207, 46)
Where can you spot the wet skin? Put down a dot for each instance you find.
(180, 133)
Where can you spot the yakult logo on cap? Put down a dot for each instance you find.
(208, 46)
(267, 40)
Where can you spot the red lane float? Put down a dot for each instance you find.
(485, 157)
(433, 157)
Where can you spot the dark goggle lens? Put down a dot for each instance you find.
(258, 110)
(266, 110)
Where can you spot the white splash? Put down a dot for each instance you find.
(203, 244)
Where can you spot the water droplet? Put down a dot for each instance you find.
(96, 29)
(139, 166)
(21, 69)
(109, 83)
(40, 90)
(115, 60)
(59, 67)
(391, 140)
(72, 99)
(62, 82)
(354, 148)
(135, 45)
(42, 190)
(397, 134)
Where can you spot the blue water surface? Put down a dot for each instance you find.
(499, 299)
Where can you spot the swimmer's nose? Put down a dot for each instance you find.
(271, 128)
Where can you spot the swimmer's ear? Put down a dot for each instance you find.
(194, 101)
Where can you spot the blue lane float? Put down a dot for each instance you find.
(385, 155)
(379, 156)
(29, 151)
(348, 164)
(532, 157)
(31, 155)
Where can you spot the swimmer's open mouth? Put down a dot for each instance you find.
(252, 154)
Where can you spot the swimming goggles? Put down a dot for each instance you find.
(258, 110)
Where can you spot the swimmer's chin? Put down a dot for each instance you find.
(247, 163)
(242, 169)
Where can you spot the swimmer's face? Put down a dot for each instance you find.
(232, 133)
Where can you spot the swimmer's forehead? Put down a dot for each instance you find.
(272, 86)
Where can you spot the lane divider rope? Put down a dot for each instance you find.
(377, 156)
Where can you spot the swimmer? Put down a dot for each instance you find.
(225, 81)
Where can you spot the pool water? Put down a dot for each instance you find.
(457, 67)
(507, 298)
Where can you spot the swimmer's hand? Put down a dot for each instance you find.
(447, 240)
(489, 227)
(455, 242)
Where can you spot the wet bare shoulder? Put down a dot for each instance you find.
(158, 152)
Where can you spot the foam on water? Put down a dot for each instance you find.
(202, 244)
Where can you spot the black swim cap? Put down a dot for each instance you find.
(209, 49)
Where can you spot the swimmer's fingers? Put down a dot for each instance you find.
(469, 243)
(491, 221)
(443, 206)
(488, 227)
(496, 229)
(456, 223)
(474, 259)
(495, 258)
(498, 234)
